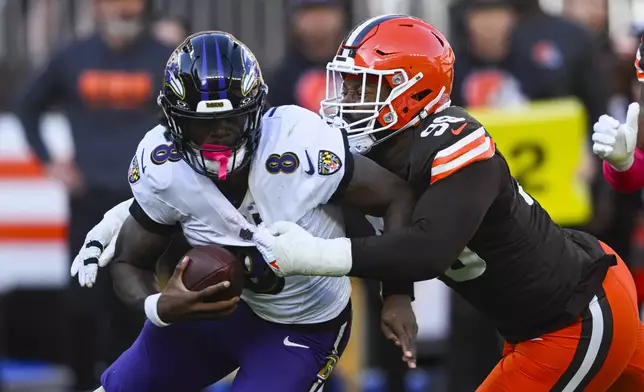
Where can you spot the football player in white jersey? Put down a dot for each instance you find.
(220, 166)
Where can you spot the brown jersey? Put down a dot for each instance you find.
(480, 233)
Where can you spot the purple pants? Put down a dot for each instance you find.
(189, 356)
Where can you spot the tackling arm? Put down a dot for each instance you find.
(444, 220)
(376, 191)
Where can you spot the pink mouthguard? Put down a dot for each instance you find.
(218, 156)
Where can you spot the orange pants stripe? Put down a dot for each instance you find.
(602, 351)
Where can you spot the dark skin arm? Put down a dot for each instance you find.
(445, 219)
(377, 191)
(135, 256)
(136, 253)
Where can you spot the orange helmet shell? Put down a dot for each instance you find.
(391, 42)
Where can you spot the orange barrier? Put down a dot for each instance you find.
(27, 169)
(20, 169)
(21, 232)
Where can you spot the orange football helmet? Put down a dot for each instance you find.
(411, 56)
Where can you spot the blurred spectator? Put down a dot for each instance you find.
(614, 213)
(171, 30)
(553, 58)
(616, 56)
(317, 28)
(592, 14)
(106, 85)
(549, 56)
(483, 74)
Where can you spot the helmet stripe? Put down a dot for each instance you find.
(359, 33)
(222, 82)
(206, 47)
(204, 70)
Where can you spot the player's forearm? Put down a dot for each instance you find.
(628, 180)
(397, 217)
(136, 253)
(445, 218)
(403, 256)
(132, 284)
(358, 225)
(399, 211)
(378, 192)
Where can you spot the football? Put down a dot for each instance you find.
(210, 265)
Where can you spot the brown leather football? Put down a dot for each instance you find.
(213, 264)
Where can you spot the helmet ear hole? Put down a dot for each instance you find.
(421, 95)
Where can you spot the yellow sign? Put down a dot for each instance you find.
(543, 144)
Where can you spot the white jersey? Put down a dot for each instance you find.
(298, 165)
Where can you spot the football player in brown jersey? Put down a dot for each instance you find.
(563, 300)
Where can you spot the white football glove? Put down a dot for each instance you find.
(98, 249)
(615, 142)
(290, 250)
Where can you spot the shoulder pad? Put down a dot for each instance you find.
(294, 128)
(299, 164)
(291, 115)
(453, 139)
(151, 175)
(153, 164)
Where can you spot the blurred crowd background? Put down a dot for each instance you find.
(79, 83)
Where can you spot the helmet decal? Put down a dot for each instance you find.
(172, 79)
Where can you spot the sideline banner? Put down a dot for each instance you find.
(543, 143)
